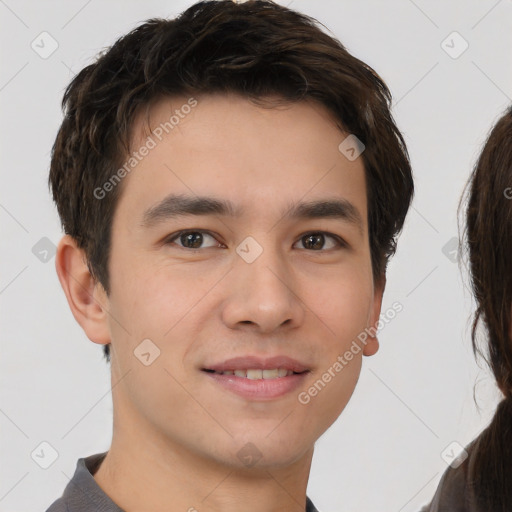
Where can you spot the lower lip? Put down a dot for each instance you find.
(259, 389)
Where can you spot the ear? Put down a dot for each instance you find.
(372, 343)
(86, 298)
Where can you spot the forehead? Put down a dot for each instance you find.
(227, 147)
(209, 116)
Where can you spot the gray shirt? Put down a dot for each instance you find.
(455, 492)
(83, 494)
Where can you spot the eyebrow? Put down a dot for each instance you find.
(175, 205)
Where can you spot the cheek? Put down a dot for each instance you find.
(328, 393)
(344, 307)
(342, 311)
(156, 306)
(151, 299)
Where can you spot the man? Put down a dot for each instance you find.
(231, 184)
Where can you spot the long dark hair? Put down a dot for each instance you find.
(488, 241)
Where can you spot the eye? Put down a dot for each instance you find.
(192, 239)
(316, 240)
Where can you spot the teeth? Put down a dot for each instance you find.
(255, 374)
(270, 374)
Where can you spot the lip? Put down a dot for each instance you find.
(259, 389)
(250, 362)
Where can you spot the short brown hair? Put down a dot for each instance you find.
(257, 49)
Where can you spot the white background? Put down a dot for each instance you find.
(414, 397)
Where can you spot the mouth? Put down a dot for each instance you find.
(258, 379)
(255, 373)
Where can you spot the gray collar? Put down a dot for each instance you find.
(83, 494)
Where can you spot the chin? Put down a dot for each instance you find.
(262, 450)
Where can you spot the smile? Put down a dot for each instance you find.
(256, 389)
(255, 374)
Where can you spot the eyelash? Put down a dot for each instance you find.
(171, 238)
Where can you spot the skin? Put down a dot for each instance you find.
(176, 433)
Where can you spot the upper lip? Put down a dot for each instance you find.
(260, 363)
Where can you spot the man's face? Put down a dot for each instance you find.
(266, 282)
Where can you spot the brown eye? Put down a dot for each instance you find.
(190, 239)
(316, 241)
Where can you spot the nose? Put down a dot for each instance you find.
(262, 294)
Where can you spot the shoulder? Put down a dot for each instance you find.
(58, 505)
(455, 492)
(309, 506)
(82, 492)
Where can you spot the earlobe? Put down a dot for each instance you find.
(372, 346)
(86, 298)
(372, 343)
